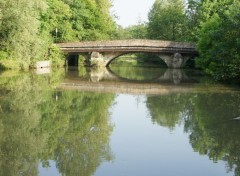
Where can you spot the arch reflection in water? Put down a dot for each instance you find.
(131, 80)
(130, 74)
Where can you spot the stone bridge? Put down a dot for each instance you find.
(174, 54)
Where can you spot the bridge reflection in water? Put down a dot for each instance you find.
(107, 81)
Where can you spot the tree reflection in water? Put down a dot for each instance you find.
(81, 132)
(38, 123)
(208, 118)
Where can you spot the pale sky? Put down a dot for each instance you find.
(129, 11)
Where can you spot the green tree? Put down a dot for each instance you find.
(219, 38)
(91, 19)
(138, 31)
(27, 29)
(193, 18)
(55, 22)
(19, 30)
(123, 33)
(39, 123)
(166, 20)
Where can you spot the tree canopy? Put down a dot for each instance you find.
(27, 29)
(218, 41)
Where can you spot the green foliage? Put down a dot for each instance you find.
(19, 30)
(3, 55)
(9, 64)
(138, 31)
(28, 29)
(91, 19)
(219, 44)
(193, 16)
(166, 20)
(56, 56)
(55, 22)
(81, 60)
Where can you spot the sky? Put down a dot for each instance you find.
(130, 11)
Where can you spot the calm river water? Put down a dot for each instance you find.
(126, 121)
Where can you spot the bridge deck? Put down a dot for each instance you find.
(129, 46)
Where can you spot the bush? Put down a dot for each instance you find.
(56, 56)
(219, 44)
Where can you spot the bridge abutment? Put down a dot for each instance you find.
(176, 60)
(101, 59)
(97, 59)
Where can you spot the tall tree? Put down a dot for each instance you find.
(55, 22)
(166, 20)
(91, 19)
(19, 30)
(219, 38)
(193, 15)
(27, 29)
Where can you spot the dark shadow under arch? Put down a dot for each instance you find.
(72, 59)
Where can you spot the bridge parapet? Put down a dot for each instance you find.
(129, 43)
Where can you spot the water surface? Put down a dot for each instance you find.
(138, 121)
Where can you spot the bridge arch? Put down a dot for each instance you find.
(117, 56)
(175, 60)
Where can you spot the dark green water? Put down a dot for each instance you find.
(119, 122)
